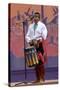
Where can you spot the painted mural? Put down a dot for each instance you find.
(20, 18)
(20, 15)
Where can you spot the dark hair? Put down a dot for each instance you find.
(38, 14)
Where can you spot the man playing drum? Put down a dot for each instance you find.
(36, 36)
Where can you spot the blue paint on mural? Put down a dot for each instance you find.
(18, 63)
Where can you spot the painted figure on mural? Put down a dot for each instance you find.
(36, 36)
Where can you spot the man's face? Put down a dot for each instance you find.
(36, 18)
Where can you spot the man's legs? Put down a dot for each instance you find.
(40, 72)
(37, 73)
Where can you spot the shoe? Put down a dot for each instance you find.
(42, 80)
(37, 81)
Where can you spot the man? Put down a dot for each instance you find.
(36, 35)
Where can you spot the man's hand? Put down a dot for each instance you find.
(31, 43)
(35, 42)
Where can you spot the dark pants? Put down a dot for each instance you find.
(40, 70)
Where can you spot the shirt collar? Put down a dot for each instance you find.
(37, 23)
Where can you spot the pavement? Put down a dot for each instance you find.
(46, 82)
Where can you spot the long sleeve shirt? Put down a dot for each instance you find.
(39, 33)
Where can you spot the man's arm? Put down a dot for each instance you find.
(27, 37)
(44, 41)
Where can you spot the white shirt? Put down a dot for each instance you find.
(39, 33)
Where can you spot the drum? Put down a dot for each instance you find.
(31, 56)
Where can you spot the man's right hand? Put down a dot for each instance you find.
(31, 43)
